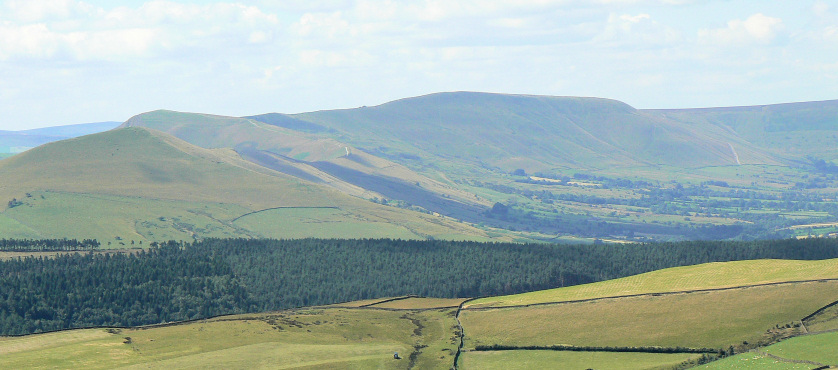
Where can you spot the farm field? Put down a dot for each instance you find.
(817, 348)
(309, 338)
(697, 320)
(323, 222)
(704, 276)
(528, 359)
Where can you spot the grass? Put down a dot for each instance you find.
(818, 348)
(703, 276)
(824, 320)
(325, 223)
(317, 338)
(708, 319)
(753, 361)
(108, 217)
(570, 360)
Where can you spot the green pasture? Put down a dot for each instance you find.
(819, 348)
(122, 219)
(822, 348)
(753, 361)
(118, 219)
(323, 222)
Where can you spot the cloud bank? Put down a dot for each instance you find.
(68, 61)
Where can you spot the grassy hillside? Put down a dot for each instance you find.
(308, 338)
(13, 142)
(590, 167)
(530, 132)
(137, 184)
(704, 276)
(312, 157)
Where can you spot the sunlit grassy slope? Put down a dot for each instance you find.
(309, 338)
(141, 184)
(703, 276)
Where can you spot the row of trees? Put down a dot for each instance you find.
(180, 281)
(40, 245)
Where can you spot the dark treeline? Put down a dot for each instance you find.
(181, 281)
(42, 245)
(82, 290)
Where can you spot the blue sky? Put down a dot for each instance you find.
(67, 61)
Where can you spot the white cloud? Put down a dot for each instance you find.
(237, 57)
(758, 28)
(44, 29)
(820, 8)
(635, 30)
(31, 11)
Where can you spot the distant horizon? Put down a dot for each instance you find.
(410, 97)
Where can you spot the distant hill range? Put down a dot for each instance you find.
(445, 155)
(18, 141)
(535, 132)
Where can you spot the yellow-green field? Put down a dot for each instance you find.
(700, 320)
(663, 315)
(509, 360)
(316, 338)
(704, 276)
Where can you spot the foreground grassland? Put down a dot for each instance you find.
(503, 360)
(662, 315)
(315, 338)
(818, 348)
(704, 276)
(699, 320)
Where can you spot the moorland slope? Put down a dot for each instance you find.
(141, 184)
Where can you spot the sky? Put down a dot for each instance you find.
(66, 61)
